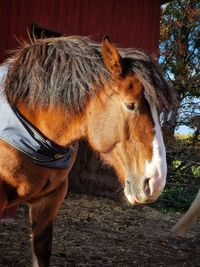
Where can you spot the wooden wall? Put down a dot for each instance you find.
(129, 23)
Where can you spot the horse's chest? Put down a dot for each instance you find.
(27, 178)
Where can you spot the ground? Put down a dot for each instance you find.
(91, 231)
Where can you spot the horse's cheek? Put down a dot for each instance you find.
(103, 136)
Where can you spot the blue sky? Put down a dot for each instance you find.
(184, 130)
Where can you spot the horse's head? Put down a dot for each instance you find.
(124, 128)
(118, 96)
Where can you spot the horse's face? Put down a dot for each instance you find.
(123, 126)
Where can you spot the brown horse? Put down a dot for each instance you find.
(65, 89)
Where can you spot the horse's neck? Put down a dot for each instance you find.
(55, 123)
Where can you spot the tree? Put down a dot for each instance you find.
(180, 59)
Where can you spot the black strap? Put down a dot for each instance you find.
(47, 147)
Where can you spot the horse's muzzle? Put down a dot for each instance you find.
(147, 192)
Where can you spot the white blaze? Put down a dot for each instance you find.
(156, 169)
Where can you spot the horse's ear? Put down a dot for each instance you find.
(111, 57)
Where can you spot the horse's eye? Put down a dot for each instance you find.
(130, 106)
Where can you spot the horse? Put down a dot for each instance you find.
(186, 221)
(58, 91)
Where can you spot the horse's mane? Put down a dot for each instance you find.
(55, 71)
(64, 70)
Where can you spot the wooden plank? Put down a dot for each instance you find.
(4, 26)
(19, 16)
(129, 23)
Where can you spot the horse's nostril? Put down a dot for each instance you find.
(146, 188)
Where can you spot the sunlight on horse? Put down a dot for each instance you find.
(66, 89)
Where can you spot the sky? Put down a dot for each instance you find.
(184, 130)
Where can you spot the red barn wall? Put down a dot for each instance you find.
(129, 23)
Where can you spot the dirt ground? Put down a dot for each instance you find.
(91, 231)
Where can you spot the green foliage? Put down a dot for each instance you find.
(196, 171)
(175, 198)
(183, 179)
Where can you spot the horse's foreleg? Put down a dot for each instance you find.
(42, 216)
(188, 218)
(3, 198)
